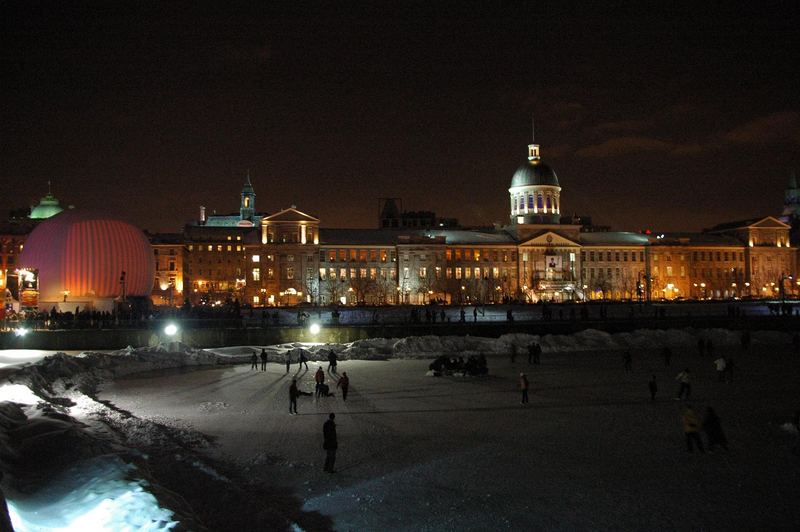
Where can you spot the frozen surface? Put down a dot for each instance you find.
(590, 451)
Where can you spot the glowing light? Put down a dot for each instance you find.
(171, 329)
(314, 328)
(22, 331)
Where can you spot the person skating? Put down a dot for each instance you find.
(523, 386)
(690, 428)
(263, 359)
(293, 394)
(319, 378)
(475, 315)
(288, 358)
(652, 385)
(713, 429)
(303, 360)
(330, 443)
(254, 361)
(719, 365)
(344, 384)
(685, 390)
(332, 361)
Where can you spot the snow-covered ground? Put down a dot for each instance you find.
(203, 440)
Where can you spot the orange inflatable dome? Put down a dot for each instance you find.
(85, 253)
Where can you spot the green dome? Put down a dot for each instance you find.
(534, 172)
(48, 206)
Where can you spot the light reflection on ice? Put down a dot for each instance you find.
(92, 495)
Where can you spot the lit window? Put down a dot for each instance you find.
(290, 272)
(210, 247)
(256, 274)
(423, 272)
(256, 258)
(406, 273)
(256, 300)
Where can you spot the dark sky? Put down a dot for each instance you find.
(668, 119)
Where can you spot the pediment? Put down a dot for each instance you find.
(549, 238)
(290, 215)
(769, 223)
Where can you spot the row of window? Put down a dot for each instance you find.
(548, 203)
(214, 247)
(495, 255)
(599, 256)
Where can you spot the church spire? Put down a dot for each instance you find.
(247, 208)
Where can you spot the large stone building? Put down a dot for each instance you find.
(286, 258)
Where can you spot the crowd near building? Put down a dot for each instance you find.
(537, 254)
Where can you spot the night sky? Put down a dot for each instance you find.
(665, 119)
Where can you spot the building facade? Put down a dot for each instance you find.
(286, 258)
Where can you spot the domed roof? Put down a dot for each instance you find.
(534, 172)
(85, 253)
(48, 206)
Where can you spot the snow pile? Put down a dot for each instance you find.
(94, 494)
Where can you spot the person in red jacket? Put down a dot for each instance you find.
(523, 386)
(319, 378)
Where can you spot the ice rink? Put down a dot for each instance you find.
(590, 451)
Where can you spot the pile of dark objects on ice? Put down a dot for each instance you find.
(444, 365)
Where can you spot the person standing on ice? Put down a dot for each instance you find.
(344, 384)
(720, 365)
(319, 378)
(263, 359)
(653, 386)
(523, 386)
(287, 356)
(303, 359)
(330, 443)
(293, 393)
(690, 429)
(332, 361)
(685, 390)
(254, 361)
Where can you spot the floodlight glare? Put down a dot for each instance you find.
(22, 331)
(171, 329)
(314, 328)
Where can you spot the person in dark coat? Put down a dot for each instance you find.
(523, 386)
(303, 360)
(293, 394)
(263, 359)
(653, 386)
(288, 357)
(332, 361)
(344, 384)
(713, 430)
(254, 361)
(330, 443)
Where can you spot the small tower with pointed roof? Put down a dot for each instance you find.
(247, 209)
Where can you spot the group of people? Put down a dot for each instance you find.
(473, 365)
